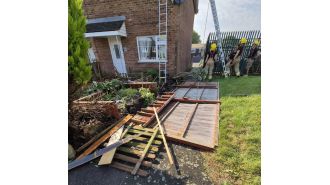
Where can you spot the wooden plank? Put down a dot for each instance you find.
(139, 127)
(107, 157)
(132, 160)
(162, 99)
(156, 142)
(187, 121)
(160, 109)
(132, 131)
(144, 113)
(98, 153)
(186, 100)
(141, 146)
(135, 152)
(94, 138)
(127, 168)
(156, 105)
(138, 164)
(197, 86)
(147, 110)
(105, 136)
(170, 158)
(137, 121)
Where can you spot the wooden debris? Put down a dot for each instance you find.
(135, 152)
(147, 116)
(164, 140)
(107, 157)
(94, 138)
(138, 164)
(105, 136)
(98, 153)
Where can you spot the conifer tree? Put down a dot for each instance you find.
(80, 71)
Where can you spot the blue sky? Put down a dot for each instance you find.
(234, 15)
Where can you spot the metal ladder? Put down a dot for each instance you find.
(219, 44)
(162, 39)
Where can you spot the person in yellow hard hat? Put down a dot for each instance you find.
(253, 55)
(210, 59)
(234, 57)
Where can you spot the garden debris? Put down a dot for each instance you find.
(98, 153)
(146, 116)
(105, 136)
(138, 153)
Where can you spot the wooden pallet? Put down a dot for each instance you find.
(146, 115)
(137, 155)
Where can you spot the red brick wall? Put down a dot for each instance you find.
(103, 56)
(142, 20)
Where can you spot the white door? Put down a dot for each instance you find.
(117, 55)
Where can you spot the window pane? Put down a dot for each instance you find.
(162, 52)
(147, 48)
(115, 46)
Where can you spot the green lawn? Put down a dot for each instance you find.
(237, 158)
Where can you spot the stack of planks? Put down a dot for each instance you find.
(146, 115)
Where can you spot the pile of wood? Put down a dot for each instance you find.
(129, 146)
(89, 116)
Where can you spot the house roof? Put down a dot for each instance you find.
(107, 26)
(104, 24)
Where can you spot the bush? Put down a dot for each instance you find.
(153, 73)
(199, 74)
(128, 93)
(110, 87)
(147, 96)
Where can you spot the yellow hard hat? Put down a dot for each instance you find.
(243, 40)
(213, 46)
(256, 42)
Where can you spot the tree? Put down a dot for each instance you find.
(80, 71)
(195, 38)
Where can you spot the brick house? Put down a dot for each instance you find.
(124, 34)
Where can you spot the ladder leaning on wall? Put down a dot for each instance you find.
(162, 40)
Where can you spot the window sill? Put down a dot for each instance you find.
(148, 61)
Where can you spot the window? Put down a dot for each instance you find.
(116, 48)
(151, 48)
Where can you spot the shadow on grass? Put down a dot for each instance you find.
(239, 86)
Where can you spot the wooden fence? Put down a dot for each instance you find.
(229, 42)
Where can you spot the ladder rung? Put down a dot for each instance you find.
(163, 4)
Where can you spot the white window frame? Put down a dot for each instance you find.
(156, 43)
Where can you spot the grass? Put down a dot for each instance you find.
(237, 159)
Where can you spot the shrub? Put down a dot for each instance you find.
(128, 93)
(147, 96)
(152, 72)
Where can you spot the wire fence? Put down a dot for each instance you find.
(230, 40)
